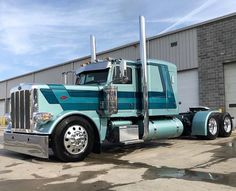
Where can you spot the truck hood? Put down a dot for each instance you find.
(69, 97)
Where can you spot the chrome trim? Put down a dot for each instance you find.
(34, 145)
(31, 110)
(110, 100)
(93, 48)
(19, 113)
(227, 124)
(143, 58)
(24, 104)
(25, 110)
(213, 126)
(76, 139)
(23, 86)
(128, 133)
(14, 110)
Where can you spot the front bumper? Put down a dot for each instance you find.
(35, 145)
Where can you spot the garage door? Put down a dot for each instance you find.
(2, 107)
(230, 89)
(188, 90)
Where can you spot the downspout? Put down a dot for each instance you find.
(65, 77)
(93, 48)
(143, 58)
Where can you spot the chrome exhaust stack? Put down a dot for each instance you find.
(143, 58)
(93, 48)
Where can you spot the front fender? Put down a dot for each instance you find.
(199, 124)
(49, 127)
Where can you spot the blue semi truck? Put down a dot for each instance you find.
(114, 100)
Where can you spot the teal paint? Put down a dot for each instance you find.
(57, 110)
(165, 128)
(199, 124)
(50, 96)
(84, 100)
(90, 100)
(166, 99)
(44, 106)
(49, 127)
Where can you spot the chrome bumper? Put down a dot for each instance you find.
(35, 145)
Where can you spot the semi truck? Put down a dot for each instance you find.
(112, 100)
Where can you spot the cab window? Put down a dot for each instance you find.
(93, 77)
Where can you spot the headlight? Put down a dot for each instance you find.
(7, 118)
(42, 117)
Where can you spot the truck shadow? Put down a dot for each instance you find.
(113, 150)
(119, 149)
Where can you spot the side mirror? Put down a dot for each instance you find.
(123, 72)
(123, 69)
(120, 73)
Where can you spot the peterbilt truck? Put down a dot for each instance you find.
(113, 100)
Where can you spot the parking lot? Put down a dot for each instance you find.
(174, 164)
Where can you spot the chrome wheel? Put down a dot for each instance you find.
(227, 124)
(212, 124)
(75, 139)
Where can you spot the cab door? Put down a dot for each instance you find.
(127, 93)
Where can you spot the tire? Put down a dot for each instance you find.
(226, 125)
(212, 127)
(72, 139)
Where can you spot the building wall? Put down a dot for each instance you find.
(3, 86)
(130, 53)
(184, 54)
(216, 46)
(2, 107)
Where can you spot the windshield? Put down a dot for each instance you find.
(92, 77)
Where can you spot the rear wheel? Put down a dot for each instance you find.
(72, 139)
(226, 125)
(212, 127)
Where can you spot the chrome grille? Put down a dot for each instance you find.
(20, 110)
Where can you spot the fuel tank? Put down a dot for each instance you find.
(164, 128)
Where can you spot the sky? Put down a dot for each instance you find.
(41, 33)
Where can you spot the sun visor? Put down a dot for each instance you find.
(94, 66)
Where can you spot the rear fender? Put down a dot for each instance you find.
(199, 124)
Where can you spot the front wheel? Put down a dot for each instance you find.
(72, 139)
(212, 127)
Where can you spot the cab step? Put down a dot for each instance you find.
(133, 142)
